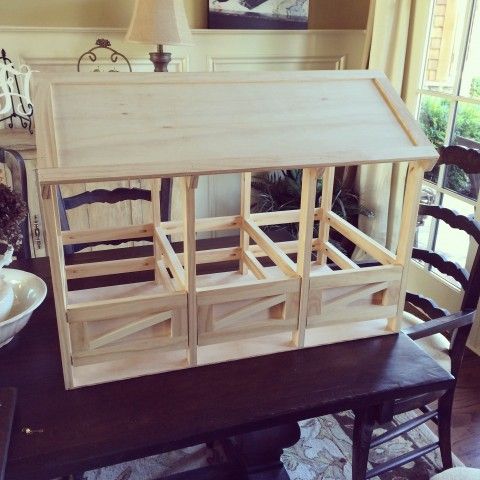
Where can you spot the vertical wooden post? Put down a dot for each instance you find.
(59, 280)
(245, 202)
(304, 256)
(156, 220)
(407, 234)
(189, 251)
(326, 206)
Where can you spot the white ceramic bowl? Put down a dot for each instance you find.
(29, 291)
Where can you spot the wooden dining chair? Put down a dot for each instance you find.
(441, 333)
(101, 196)
(14, 162)
(103, 57)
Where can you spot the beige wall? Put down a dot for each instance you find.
(324, 14)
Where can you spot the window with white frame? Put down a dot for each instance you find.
(449, 112)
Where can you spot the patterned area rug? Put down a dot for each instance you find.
(324, 452)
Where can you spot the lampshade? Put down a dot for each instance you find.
(159, 22)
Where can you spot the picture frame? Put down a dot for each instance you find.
(258, 14)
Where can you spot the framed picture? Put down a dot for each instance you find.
(258, 14)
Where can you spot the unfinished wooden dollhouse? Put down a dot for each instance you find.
(101, 127)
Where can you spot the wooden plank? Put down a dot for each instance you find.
(129, 329)
(205, 318)
(339, 258)
(73, 237)
(345, 278)
(304, 257)
(271, 327)
(383, 154)
(244, 291)
(402, 114)
(248, 310)
(348, 298)
(252, 264)
(290, 246)
(326, 206)
(215, 255)
(163, 274)
(362, 240)
(102, 148)
(59, 279)
(189, 249)
(245, 201)
(156, 186)
(130, 349)
(277, 255)
(350, 315)
(123, 307)
(170, 257)
(228, 222)
(276, 218)
(411, 204)
(109, 267)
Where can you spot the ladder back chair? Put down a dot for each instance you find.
(102, 196)
(88, 60)
(441, 333)
(14, 162)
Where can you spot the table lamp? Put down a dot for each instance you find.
(160, 22)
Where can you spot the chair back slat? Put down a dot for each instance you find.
(424, 305)
(106, 196)
(468, 159)
(443, 265)
(454, 219)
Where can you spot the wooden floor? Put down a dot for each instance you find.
(466, 413)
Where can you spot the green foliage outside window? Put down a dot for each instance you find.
(433, 117)
(475, 87)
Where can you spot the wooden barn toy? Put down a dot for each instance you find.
(107, 127)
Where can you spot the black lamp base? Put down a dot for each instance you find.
(160, 59)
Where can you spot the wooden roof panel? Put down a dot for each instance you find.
(136, 125)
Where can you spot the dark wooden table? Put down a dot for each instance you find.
(96, 426)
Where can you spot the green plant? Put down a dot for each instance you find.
(467, 123)
(475, 87)
(433, 119)
(281, 190)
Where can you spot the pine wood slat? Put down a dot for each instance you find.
(360, 239)
(127, 350)
(111, 267)
(251, 309)
(252, 264)
(351, 315)
(108, 309)
(270, 248)
(304, 257)
(338, 257)
(189, 246)
(253, 289)
(326, 206)
(270, 327)
(170, 257)
(344, 278)
(129, 329)
(73, 237)
(357, 294)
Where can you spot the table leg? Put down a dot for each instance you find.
(445, 404)
(362, 437)
(258, 453)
